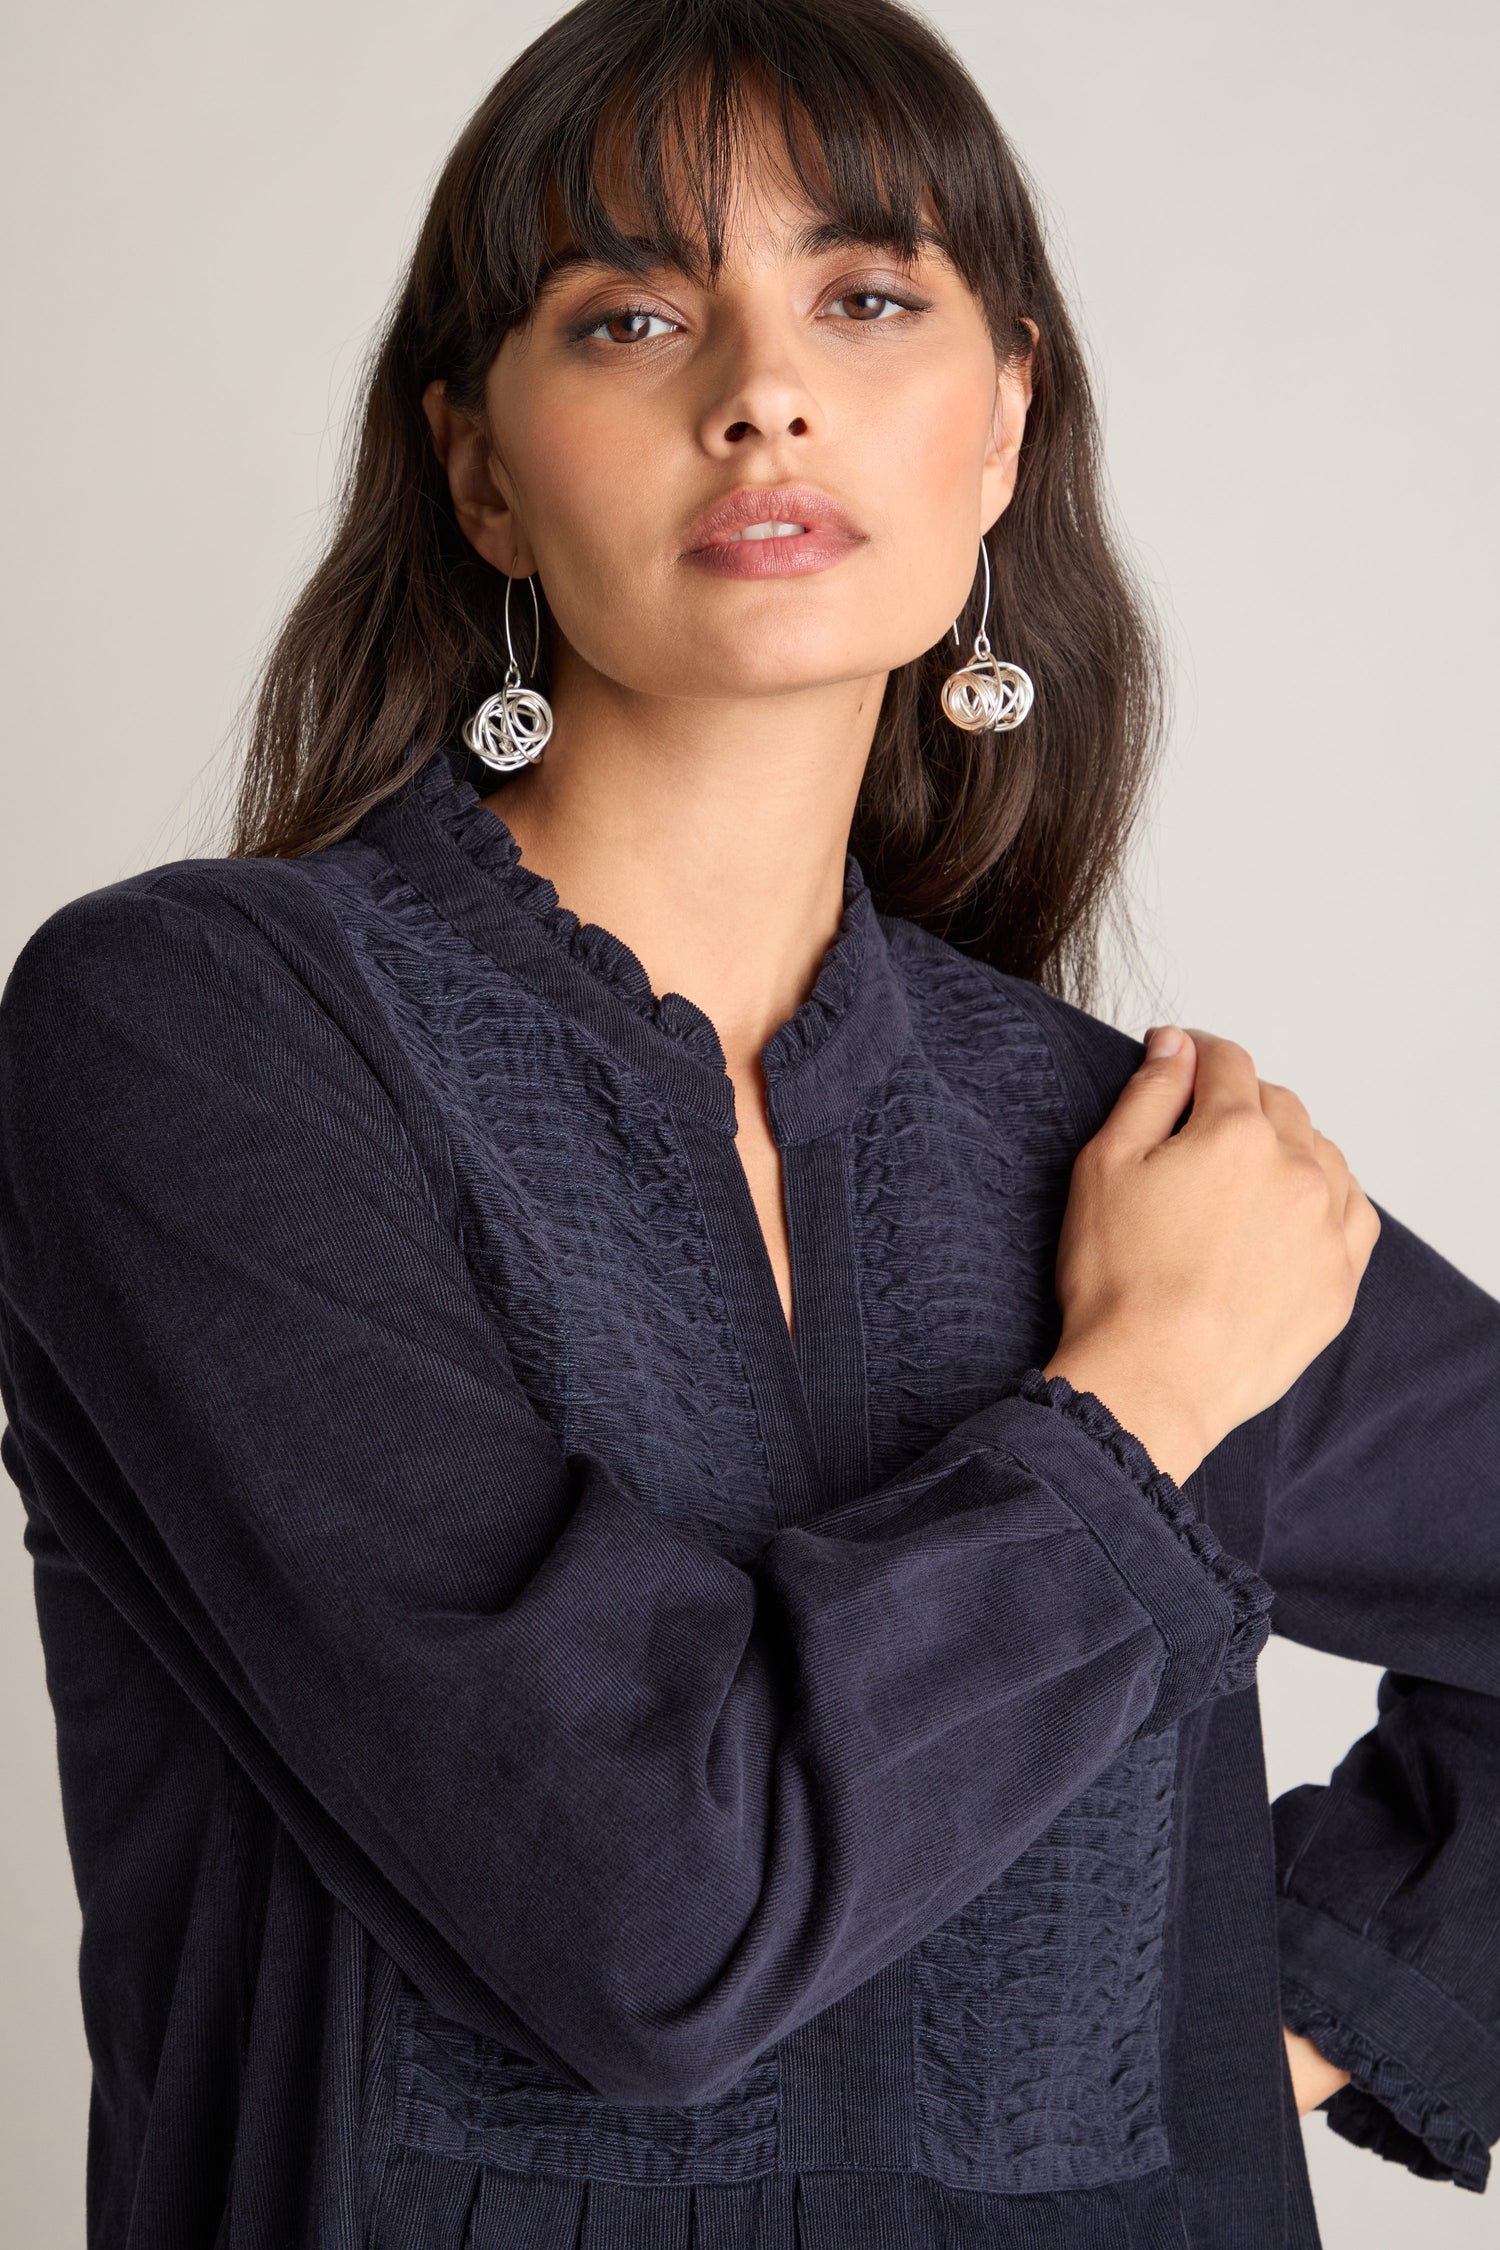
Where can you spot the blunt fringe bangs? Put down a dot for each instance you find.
(616, 135)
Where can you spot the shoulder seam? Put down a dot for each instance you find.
(241, 926)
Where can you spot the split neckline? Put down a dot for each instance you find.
(819, 1064)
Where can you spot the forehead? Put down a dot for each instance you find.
(715, 182)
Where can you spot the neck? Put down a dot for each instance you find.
(709, 836)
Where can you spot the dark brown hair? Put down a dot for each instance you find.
(1012, 845)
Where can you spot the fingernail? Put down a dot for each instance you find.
(1164, 1041)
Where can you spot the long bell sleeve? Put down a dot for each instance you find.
(1383, 1544)
(632, 1806)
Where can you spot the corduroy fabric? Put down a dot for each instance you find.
(552, 1759)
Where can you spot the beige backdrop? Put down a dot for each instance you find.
(1279, 220)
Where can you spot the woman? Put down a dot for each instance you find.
(603, 1362)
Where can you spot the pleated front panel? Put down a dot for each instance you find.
(433, 2203)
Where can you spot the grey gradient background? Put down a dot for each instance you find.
(1278, 222)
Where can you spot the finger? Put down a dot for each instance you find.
(1335, 1173)
(1288, 1113)
(1226, 1076)
(1155, 1095)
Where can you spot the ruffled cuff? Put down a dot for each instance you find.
(1385, 2107)
(1246, 1596)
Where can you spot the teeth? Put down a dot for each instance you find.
(770, 530)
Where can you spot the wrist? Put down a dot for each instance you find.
(1169, 1429)
(1314, 2077)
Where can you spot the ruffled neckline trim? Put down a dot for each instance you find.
(448, 794)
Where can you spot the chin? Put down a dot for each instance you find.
(780, 663)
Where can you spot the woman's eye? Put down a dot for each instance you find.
(631, 324)
(870, 305)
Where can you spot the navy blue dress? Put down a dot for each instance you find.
(553, 1761)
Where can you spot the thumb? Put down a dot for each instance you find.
(1157, 1091)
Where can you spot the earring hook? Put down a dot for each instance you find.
(536, 612)
(979, 639)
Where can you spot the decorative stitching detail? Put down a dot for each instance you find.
(969, 1117)
(460, 2093)
(545, 1102)
(1036, 2007)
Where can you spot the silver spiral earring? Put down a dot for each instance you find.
(987, 695)
(512, 727)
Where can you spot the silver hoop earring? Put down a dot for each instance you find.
(512, 727)
(987, 695)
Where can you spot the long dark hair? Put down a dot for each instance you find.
(1011, 846)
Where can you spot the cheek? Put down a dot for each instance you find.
(595, 495)
(922, 453)
(926, 444)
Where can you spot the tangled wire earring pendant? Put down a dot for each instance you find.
(512, 727)
(986, 695)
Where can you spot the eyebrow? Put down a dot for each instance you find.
(641, 255)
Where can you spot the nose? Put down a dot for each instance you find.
(763, 395)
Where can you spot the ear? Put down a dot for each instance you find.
(1012, 398)
(476, 479)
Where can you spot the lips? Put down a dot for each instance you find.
(814, 512)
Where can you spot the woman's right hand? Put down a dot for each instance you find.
(1199, 1272)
